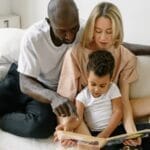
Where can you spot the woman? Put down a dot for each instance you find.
(104, 30)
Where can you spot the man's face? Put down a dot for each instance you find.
(65, 31)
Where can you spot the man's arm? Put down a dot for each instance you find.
(33, 88)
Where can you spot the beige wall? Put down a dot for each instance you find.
(30, 10)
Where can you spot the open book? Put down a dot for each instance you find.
(100, 142)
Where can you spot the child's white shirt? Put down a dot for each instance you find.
(98, 111)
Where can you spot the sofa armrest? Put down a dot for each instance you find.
(138, 49)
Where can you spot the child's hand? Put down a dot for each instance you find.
(64, 142)
(70, 123)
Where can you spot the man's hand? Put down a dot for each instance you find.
(63, 107)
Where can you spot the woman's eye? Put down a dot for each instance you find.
(98, 31)
(109, 32)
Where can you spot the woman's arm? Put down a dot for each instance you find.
(115, 118)
(128, 119)
(69, 76)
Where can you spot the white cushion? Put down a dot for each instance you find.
(10, 44)
(141, 87)
(9, 48)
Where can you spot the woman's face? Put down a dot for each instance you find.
(103, 33)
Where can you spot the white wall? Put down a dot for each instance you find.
(135, 13)
(5, 7)
(30, 10)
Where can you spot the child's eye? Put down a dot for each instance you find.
(102, 86)
(93, 84)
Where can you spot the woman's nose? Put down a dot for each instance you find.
(103, 36)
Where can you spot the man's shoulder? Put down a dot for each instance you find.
(37, 28)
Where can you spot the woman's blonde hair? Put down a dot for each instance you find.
(108, 10)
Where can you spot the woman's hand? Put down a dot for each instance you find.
(133, 142)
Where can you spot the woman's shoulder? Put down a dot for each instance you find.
(76, 51)
(126, 51)
(127, 57)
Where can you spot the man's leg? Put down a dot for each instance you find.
(20, 114)
(38, 121)
(10, 91)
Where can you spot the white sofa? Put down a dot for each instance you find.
(9, 52)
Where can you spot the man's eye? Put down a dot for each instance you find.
(75, 29)
(61, 31)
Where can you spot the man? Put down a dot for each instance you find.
(39, 65)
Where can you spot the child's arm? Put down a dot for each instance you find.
(80, 110)
(115, 118)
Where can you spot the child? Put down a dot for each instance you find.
(100, 102)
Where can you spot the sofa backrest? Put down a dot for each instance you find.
(140, 87)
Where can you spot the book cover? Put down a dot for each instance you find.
(100, 142)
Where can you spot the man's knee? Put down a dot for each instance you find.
(42, 128)
(28, 125)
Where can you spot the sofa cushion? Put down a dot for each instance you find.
(10, 44)
(9, 48)
(141, 87)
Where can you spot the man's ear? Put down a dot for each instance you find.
(48, 21)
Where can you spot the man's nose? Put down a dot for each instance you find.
(69, 35)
